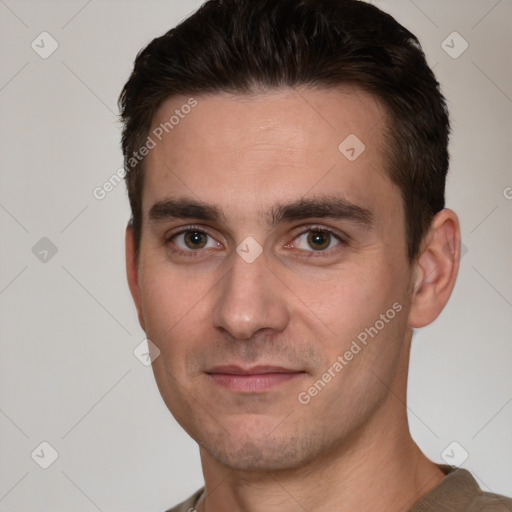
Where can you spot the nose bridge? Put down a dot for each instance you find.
(249, 299)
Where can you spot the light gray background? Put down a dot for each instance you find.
(68, 375)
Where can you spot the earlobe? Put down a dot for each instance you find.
(132, 272)
(435, 269)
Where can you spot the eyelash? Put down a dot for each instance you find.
(199, 253)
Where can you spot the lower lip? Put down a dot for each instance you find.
(252, 383)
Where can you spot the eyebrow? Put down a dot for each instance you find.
(332, 207)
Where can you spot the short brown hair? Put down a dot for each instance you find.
(239, 46)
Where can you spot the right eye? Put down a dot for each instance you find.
(192, 240)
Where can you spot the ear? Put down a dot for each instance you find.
(435, 269)
(132, 272)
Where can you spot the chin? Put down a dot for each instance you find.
(257, 456)
(259, 450)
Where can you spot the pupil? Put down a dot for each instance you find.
(318, 239)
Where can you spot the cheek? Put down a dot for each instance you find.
(175, 306)
(352, 298)
(366, 315)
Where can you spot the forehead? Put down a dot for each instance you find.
(248, 152)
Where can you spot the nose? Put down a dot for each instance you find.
(250, 298)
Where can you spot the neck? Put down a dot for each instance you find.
(367, 478)
(379, 468)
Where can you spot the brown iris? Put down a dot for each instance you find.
(195, 239)
(319, 239)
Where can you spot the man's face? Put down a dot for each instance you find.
(244, 336)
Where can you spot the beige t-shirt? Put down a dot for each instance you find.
(457, 492)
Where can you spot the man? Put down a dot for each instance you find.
(286, 164)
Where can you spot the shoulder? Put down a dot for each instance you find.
(188, 504)
(460, 492)
(490, 502)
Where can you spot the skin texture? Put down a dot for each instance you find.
(294, 306)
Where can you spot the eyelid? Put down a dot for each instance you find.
(183, 229)
(318, 227)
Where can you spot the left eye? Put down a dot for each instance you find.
(317, 239)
